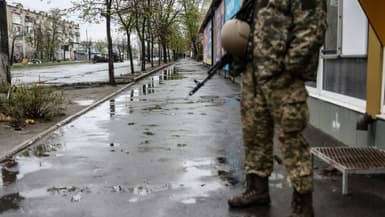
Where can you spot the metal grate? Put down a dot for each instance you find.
(350, 160)
(354, 158)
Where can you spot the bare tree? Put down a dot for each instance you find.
(126, 18)
(165, 15)
(191, 17)
(140, 13)
(91, 10)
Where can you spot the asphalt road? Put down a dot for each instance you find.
(71, 73)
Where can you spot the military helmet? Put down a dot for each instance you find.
(235, 36)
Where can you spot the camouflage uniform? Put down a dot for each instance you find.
(287, 35)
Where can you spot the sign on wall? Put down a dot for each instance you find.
(205, 42)
(219, 19)
(231, 8)
(209, 42)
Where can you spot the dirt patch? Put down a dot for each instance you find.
(76, 99)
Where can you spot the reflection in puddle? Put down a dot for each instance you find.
(84, 102)
(150, 87)
(112, 107)
(189, 201)
(10, 202)
(42, 150)
(35, 193)
(170, 74)
(278, 180)
(30, 165)
(198, 180)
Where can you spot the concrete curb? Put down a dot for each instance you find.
(26, 144)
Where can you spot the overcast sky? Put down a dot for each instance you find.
(95, 31)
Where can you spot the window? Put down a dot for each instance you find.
(343, 64)
(332, 33)
(16, 18)
(346, 76)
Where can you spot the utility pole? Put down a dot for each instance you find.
(5, 75)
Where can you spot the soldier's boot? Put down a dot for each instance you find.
(257, 193)
(302, 205)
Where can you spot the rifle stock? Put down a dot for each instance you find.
(226, 59)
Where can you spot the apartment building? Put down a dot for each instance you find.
(27, 29)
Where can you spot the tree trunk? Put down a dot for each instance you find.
(174, 55)
(148, 51)
(143, 42)
(109, 41)
(164, 52)
(130, 51)
(12, 52)
(152, 50)
(5, 75)
(159, 53)
(195, 50)
(168, 54)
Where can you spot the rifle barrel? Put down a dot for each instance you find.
(226, 59)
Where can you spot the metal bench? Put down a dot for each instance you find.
(351, 160)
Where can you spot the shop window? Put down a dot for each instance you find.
(346, 76)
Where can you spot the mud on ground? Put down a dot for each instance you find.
(76, 99)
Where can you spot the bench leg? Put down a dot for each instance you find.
(344, 183)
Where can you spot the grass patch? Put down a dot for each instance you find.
(31, 102)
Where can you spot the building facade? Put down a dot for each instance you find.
(351, 74)
(38, 35)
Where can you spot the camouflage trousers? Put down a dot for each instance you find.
(279, 103)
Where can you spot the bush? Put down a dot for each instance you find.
(32, 101)
(4, 86)
(199, 57)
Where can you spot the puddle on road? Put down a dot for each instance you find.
(198, 180)
(278, 180)
(217, 100)
(28, 161)
(136, 94)
(84, 102)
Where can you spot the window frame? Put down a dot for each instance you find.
(318, 92)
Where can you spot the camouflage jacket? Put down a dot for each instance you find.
(286, 37)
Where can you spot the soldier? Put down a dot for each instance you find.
(285, 39)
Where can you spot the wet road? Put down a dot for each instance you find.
(147, 152)
(72, 73)
(154, 152)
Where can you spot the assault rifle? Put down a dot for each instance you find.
(242, 14)
(226, 59)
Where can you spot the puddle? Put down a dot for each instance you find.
(150, 149)
(41, 150)
(86, 102)
(189, 201)
(278, 180)
(198, 180)
(35, 193)
(170, 74)
(22, 167)
(112, 107)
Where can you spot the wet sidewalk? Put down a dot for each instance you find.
(152, 151)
